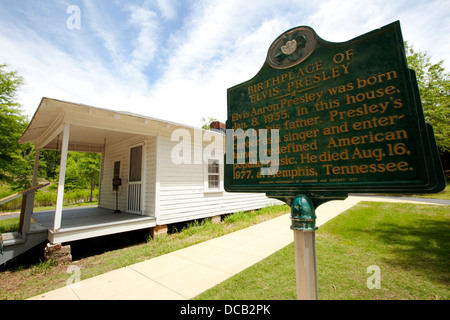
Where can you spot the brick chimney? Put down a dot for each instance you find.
(217, 126)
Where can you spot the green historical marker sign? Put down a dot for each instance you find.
(323, 117)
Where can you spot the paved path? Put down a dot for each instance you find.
(185, 273)
(5, 216)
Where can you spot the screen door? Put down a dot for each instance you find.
(135, 180)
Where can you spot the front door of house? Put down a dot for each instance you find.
(135, 181)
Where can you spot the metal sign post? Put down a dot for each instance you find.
(304, 225)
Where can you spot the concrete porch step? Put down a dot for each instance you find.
(13, 244)
(11, 238)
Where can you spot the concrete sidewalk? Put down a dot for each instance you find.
(185, 273)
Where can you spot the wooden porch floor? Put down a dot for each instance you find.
(83, 223)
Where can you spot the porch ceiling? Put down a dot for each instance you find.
(90, 128)
(87, 139)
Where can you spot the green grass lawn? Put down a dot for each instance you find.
(409, 243)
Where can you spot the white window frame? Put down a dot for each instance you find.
(206, 175)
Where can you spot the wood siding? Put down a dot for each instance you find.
(171, 192)
(182, 194)
(121, 152)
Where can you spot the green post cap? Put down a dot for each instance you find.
(303, 215)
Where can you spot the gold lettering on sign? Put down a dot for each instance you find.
(331, 129)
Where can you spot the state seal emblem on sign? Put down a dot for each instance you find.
(291, 48)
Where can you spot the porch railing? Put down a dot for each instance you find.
(134, 197)
(26, 209)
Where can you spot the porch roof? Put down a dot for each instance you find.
(90, 127)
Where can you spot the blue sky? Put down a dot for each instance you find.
(174, 60)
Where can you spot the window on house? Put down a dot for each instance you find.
(213, 174)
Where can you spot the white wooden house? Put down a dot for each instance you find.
(169, 172)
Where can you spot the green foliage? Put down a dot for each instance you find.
(49, 164)
(46, 197)
(207, 122)
(83, 170)
(13, 157)
(17, 161)
(9, 225)
(252, 216)
(434, 88)
(80, 196)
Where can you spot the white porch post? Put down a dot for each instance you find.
(62, 176)
(35, 169)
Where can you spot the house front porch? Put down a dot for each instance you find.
(83, 223)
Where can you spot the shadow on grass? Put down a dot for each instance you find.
(424, 248)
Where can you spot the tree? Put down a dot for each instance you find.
(13, 157)
(83, 169)
(17, 161)
(434, 89)
(207, 122)
(49, 163)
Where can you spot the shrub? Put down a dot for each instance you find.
(46, 197)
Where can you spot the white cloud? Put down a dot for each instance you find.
(49, 71)
(215, 50)
(427, 28)
(104, 28)
(218, 45)
(146, 42)
(225, 43)
(340, 20)
(168, 8)
(425, 24)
